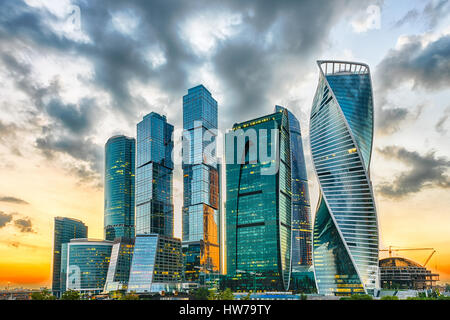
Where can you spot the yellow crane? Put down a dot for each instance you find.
(390, 250)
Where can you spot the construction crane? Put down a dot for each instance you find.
(390, 250)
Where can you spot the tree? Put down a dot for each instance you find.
(447, 287)
(358, 297)
(70, 295)
(221, 295)
(246, 297)
(226, 295)
(201, 294)
(389, 298)
(43, 295)
(129, 296)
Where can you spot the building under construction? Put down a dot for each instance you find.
(402, 273)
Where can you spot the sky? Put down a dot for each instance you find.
(74, 73)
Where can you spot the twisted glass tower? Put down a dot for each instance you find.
(345, 233)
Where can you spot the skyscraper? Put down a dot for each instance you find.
(85, 265)
(301, 210)
(154, 176)
(119, 265)
(345, 239)
(200, 184)
(119, 187)
(65, 230)
(157, 264)
(259, 202)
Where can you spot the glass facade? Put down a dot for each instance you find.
(259, 205)
(345, 233)
(65, 230)
(157, 264)
(301, 210)
(200, 183)
(119, 187)
(86, 264)
(119, 265)
(154, 176)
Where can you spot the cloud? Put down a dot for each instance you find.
(432, 14)
(388, 120)
(426, 66)
(254, 55)
(426, 171)
(5, 218)
(24, 225)
(12, 200)
(442, 122)
(410, 16)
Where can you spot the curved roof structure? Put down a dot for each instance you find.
(398, 262)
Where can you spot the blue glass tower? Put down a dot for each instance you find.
(200, 183)
(65, 230)
(119, 187)
(301, 258)
(345, 233)
(154, 176)
(259, 205)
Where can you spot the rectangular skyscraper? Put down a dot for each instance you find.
(154, 176)
(156, 264)
(65, 230)
(259, 203)
(200, 183)
(119, 187)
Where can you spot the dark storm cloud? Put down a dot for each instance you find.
(12, 200)
(425, 171)
(274, 35)
(5, 218)
(78, 119)
(427, 67)
(389, 120)
(24, 225)
(71, 124)
(249, 64)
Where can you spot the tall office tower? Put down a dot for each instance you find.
(119, 187)
(85, 265)
(157, 264)
(65, 230)
(154, 176)
(345, 239)
(259, 202)
(201, 184)
(119, 265)
(301, 210)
